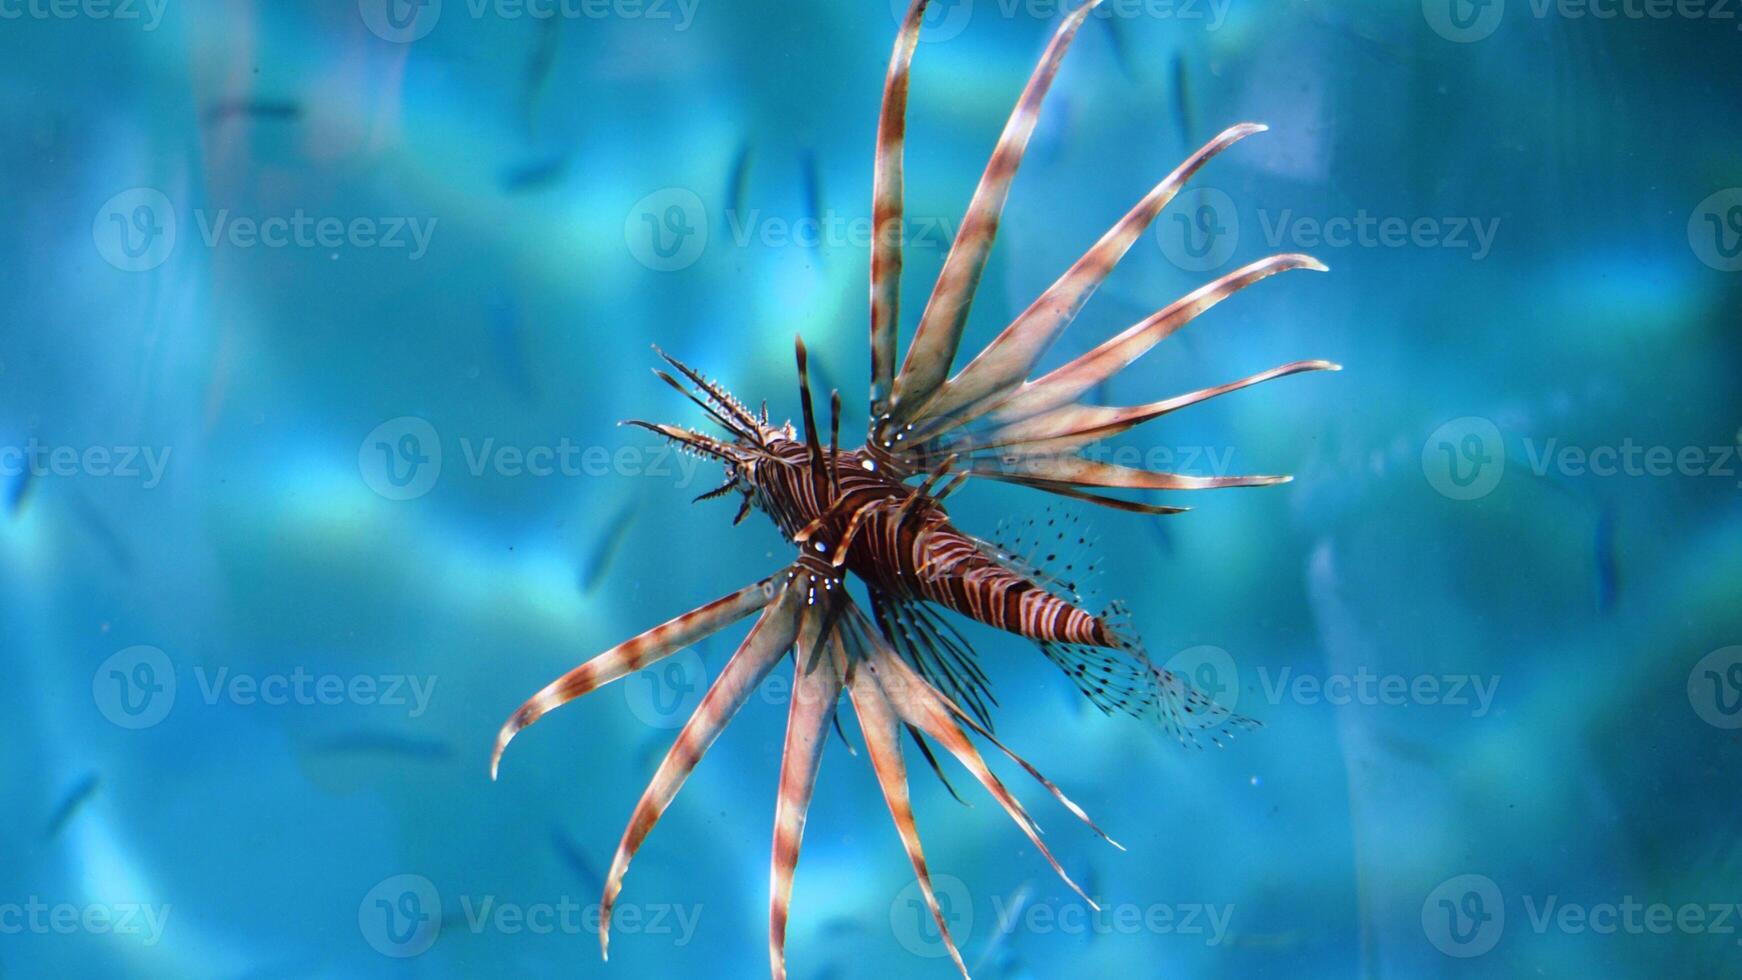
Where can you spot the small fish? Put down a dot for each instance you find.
(1607, 561)
(1182, 99)
(738, 180)
(75, 799)
(262, 110)
(1009, 918)
(576, 859)
(1121, 47)
(99, 528)
(17, 490)
(538, 67)
(610, 541)
(812, 188)
(366, 742)
(535, 175)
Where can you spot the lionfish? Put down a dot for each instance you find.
(861, 511)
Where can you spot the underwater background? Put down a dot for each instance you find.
(320, 318)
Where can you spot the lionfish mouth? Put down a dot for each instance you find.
(695, 443)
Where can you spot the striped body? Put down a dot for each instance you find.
(907, 548)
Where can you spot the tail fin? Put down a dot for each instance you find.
(1122, 678)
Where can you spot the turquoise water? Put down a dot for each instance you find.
(320, 322)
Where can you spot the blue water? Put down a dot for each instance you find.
(318, 330)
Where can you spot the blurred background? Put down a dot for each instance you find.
(321, 318)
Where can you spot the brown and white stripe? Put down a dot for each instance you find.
(818, 668)
(919, 704)
(631, 655)
(1071, 381)
(769, 640)
(1008, 359)
(946, 313)
(886, 209)
(882, 733)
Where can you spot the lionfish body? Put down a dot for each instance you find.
(899, 541)
(876, 513)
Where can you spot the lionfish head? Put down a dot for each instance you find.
(748, 435)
